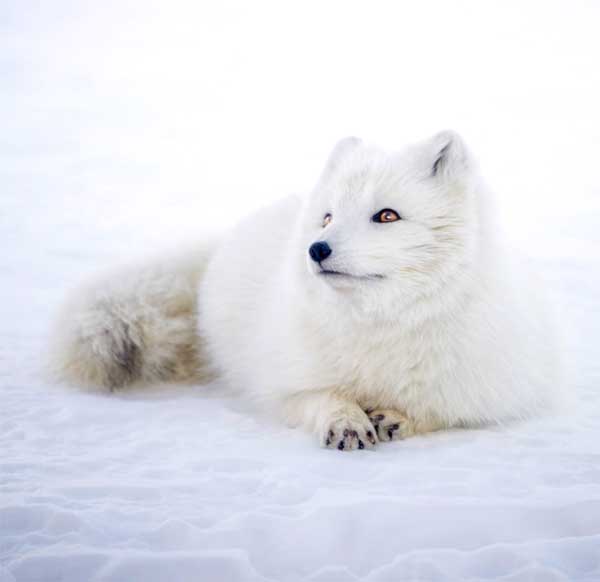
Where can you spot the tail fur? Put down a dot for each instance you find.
(134, 325)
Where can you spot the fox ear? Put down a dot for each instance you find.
(447, 155)
(338, 154)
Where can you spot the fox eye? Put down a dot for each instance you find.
(386, 215)
(327, 219)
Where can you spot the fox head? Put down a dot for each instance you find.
(391, 226)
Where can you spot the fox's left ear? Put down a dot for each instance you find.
(447, 156)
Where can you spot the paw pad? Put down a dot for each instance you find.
(390, 425)
(349, 435)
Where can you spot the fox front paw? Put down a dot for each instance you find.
(346, 434)
(390, 425)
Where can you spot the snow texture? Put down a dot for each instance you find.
(129, 127)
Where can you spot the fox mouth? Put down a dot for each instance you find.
(331, 273)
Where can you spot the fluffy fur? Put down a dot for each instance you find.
(133, 325)
(427, 324)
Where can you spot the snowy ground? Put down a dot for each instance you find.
(128, 127)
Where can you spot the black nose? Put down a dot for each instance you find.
(319, 251)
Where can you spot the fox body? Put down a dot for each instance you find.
(381, 305)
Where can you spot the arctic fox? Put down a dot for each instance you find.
(380, 306)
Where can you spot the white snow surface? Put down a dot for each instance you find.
(130, 127)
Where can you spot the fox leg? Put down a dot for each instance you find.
(339, 423)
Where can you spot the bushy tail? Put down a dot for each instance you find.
(134, 325)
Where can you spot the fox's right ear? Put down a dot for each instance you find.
(338, 154)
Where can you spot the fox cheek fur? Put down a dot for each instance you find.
(356, 328)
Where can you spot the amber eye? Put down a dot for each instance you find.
(327, 219)
(386, 215)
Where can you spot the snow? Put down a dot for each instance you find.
(128, 127)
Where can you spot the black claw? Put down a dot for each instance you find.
(328, 442)
(341, 445)
(361, 445)
(390, 434)
(394, 427)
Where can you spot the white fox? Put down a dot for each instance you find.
(380, 306)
